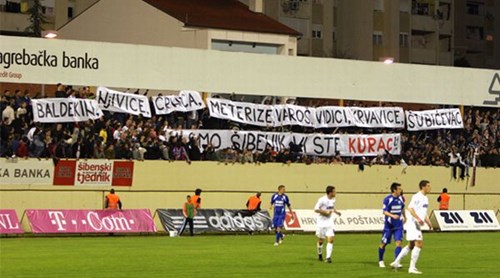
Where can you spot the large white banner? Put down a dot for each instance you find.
(59, 110)
(186, 101)
(95, 63)
(434, 119)
(116, 101)
(321, 117)
(26, 171)
(312, 144)
(466, 220)
(351, 220)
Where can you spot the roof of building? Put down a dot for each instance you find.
(221, 14)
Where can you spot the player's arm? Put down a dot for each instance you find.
(323, 212)
(337, 212)
(291, 211)
(391, 215)
(414, 214)
(403, 212)
(106, 204)
(120, 204)
(184, 210)
(428, 222)
(317, 209)
(386, 212)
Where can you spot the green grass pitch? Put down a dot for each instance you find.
(355, 255)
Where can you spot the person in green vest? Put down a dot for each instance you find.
(189, 212)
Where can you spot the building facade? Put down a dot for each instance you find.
(433, 32)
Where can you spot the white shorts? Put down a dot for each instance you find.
(323, 232)
(413, 232)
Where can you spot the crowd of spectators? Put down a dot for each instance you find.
(122, 136)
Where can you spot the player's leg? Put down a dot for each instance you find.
(412, 234)
(330, 236)
(398, 238)
(191, 226)
(386, 239)
(277, 229)
(415, 253)
(280, 223)
(320, 233)
(181, 230)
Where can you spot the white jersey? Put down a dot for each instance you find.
(419, 202)
(325, 204)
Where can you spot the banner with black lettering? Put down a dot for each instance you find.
(321, 117)
(60, 110)
(217, 220)
(434, 119)
(116, 101)
(310, 144)
(186, 101)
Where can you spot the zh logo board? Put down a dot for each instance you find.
(452, 217)
(481, 217)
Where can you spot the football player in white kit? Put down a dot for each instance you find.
(324, 226)
(418, 216)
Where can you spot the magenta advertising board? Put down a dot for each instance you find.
(9, 223)
(45, 221)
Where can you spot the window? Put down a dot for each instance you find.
(403, 39)
(316, 34)
(377, 38)
(317, 31)
(474, 33)
(404, 6)
(473, 8)
(379, 5)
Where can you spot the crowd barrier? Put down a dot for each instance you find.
(57, 221)
(217, 220)
(465, 220)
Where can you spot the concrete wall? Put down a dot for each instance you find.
(159, 184)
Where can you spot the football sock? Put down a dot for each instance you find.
(381, 254)
(320, 248)
(402, 254)
(278, 236)
(414, 257)
(397, 251)
(329, 249)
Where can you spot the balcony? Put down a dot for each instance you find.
(13, 22)
(423, 56)
(475, 46)
(423, 23)
(445, 28)
(446, 58)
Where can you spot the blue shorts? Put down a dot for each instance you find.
(388, 233)
(279, 220)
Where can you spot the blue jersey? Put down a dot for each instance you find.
(394, 205)
(279, 202)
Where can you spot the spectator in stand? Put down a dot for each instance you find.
(456, 162)
(479, 139)
(8, 114)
